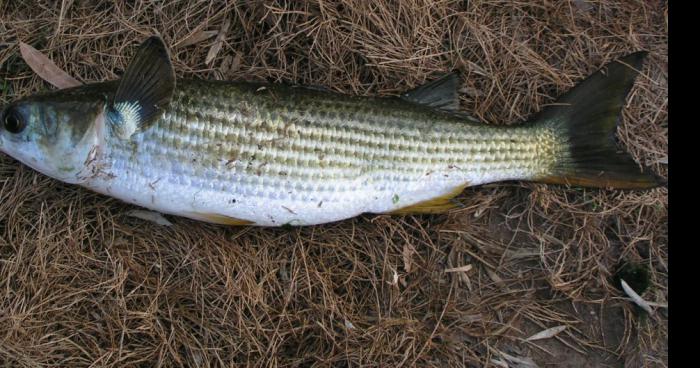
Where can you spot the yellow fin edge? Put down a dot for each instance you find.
(220, 219)
(440, 204)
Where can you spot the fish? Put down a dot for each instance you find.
(243, 153)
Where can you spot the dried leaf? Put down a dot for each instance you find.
(406, 253)
(471, 91)
(500, 363)
(660, 305)
(523, 253)
(497, 279)
(226, 64)
(196, 37)
(635, 297)
(583, 5)
(464, 268)
(236, 64)
(472, 318)
(151, 216)
(45, 68)
(218, 43)
(394, 277)
(546, 334)
(520, 362)
(474, 68)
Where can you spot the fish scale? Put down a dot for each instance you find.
(390, 147)
(291, 151)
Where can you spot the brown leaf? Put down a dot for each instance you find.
(546, 334)
(196, 37)
(214, 50)
(407, 252)
(236, 63)
(636, 298)
(494, 276)
(226, 64)
(465, 268)
(45, 68)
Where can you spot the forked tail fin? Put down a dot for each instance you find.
(584, 120)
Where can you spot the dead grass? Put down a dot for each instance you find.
(83, 284)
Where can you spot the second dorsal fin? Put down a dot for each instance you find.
(440, 93)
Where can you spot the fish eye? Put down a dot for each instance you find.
(13, 122)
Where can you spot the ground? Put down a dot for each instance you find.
(82, 283)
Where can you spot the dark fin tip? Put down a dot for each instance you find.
(585, 118)
(608, 180)
(148, 82)
(440, 93)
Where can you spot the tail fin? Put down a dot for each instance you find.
(585, 119)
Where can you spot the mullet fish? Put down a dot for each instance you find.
(271, 155)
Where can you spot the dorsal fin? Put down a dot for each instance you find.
(440, 93)
(145, 89)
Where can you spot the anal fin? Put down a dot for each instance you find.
(440, 204)
(219, 219)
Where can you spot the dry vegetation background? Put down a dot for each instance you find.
(82, 283)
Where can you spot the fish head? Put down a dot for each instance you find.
(58, 134)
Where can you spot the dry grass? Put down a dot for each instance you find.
(83, 284)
